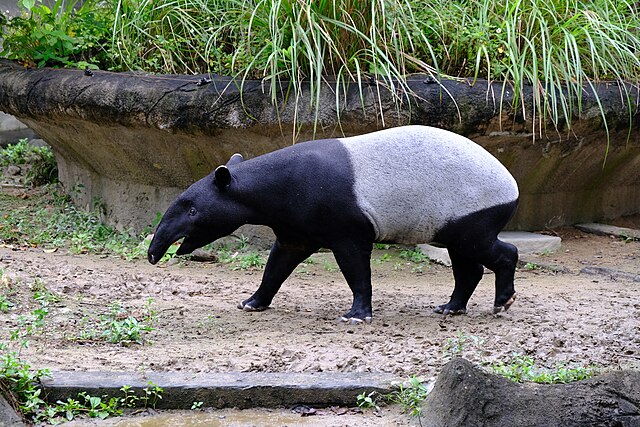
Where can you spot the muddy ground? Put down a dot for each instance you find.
(566, 312)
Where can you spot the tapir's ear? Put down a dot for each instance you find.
(222, 177)
(236, 158)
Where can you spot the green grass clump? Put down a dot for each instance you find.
(411, 396)
(521, 368)
(118, 326)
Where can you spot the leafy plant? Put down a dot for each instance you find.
(411, 396)
(250, 260)
(414, 255)
(120, 327)
(531, 266)
(368, 401)
(456, 345)
(521, 368)
(65, 32)
(5, 304)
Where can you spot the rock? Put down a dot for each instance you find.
(610, 230)
(8, 416)
(468, 396)
(200, 255)
(13, 170)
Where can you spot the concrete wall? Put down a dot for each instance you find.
(135, 141)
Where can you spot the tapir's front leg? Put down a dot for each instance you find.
(283, 259)
(354, 260)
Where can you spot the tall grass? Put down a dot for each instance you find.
(556, 49)
(284, 42)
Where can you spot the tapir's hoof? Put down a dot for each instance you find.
(246, 306)
(497, 309)
(446, 311)
(355, 320)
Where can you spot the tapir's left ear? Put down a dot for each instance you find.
(222, 177)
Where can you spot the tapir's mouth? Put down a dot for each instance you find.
(187, 246)
(157, 250)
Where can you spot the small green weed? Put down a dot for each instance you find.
(382, 259)
(250, 260)
(368, 401)
(532, 266)
(5, 304)
(329, 266)
(42, 294)
(455, 346)
(197, 405)
(411, 396)
(414, 255)
(521, 368)
(118, 326)
(148, 399)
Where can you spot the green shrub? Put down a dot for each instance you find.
(69, 33)
(41, 161)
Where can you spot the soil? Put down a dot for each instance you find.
(566, 312)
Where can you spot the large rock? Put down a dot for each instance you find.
(467, 396)
(135, 141)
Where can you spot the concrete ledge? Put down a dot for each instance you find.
(218, 390)
(527, 243)
(609, 230)
(610, 272)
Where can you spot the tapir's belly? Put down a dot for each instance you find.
(411, 182)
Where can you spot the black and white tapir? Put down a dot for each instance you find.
(408, 185)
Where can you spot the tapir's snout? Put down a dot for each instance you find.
(159, 245)
(155, 253)
(152, 258)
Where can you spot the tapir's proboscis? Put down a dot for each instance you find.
(405, 185)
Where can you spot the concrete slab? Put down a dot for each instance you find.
(12, 130)
(526, 242)
(240, 390)
(610, 230)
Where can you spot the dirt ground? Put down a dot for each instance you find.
(565, 312)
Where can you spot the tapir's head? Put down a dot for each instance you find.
(203, 213)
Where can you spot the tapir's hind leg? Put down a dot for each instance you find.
(467, 274)
(502, 258)
(354, 260)
(283, 259)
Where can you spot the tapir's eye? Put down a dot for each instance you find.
(192, 211)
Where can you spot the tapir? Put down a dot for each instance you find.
(405, 185)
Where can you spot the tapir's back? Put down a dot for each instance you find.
(411, 181)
